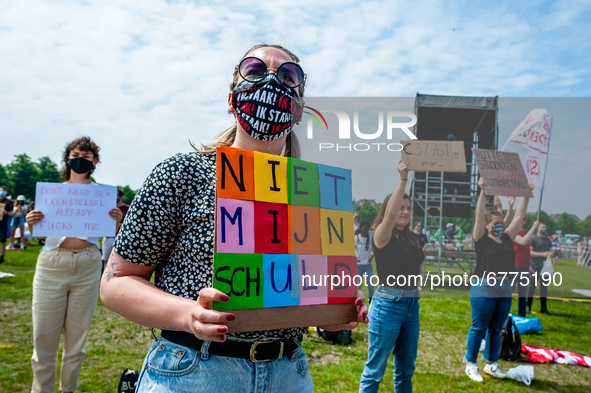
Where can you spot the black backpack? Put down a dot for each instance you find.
(342, 337)
(128, 381)
(510, 347)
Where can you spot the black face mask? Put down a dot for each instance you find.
(80, 165)
(266, 109)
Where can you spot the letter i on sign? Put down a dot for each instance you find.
(270, 172)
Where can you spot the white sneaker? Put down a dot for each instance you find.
(494, 370)
(473, 373)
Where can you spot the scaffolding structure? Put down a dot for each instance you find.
(435, 195)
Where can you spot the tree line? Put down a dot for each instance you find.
(566, 223)
(22, 174)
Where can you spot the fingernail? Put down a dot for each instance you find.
(222, 329)
(230, 317)
(223, 338)
(364, 315)
(358, 302)
(224, 298)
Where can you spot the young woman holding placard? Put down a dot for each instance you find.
(491, 296)
(394, 312)
(66, 284)
(169, 230)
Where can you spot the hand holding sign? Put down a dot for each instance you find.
(207, 324)
(116, 215)
(402, 170)
(33, 217)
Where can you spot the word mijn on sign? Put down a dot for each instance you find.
(80, 210)
(283, 226)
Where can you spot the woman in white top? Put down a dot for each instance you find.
(65, 287)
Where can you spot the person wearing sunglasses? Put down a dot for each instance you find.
(169, 231)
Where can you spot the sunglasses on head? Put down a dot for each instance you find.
(254, 69)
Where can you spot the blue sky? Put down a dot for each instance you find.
(144, 78)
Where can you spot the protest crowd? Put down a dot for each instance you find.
(167, 233)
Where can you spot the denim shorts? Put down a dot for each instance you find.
(174, 368)
(18, 221)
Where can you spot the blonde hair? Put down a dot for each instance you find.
(227, 137)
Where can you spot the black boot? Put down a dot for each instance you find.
(530, 300)
(544, 309)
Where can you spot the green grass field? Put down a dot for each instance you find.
(115, 343)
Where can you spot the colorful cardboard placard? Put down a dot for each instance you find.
(235, 224)
(303, 183)
(270, 172)
(271, 232)
(304, 226)
(313, 272)
(235, 173)
(337, 231)
(336, 188)
(275, 232)
(240, 276)
(342, 270)
(277, 281)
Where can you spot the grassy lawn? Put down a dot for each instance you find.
(115, 343)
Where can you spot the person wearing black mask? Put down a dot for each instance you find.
(174, 212)
(65, 286)
(490, 296)
(541, 248)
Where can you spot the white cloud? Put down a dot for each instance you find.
(143, 78)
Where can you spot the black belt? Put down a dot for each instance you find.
(258, 351)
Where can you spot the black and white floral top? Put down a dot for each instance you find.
(171, 224)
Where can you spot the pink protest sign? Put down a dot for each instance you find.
(75, 210)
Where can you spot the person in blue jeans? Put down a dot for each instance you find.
(394, 312)
(169, 232)
(490, 297)
(364, 253)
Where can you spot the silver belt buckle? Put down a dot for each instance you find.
(253, 351)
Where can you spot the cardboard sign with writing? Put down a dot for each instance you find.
(270, 252)
(75, 210)
(435, 156)
(502, 172)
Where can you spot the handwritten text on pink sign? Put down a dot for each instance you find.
(75, 210)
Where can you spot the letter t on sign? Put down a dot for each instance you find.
(335, 188)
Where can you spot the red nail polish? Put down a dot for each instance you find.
(358, 302)
(224, 298)
(230, 317)
(222, 329)
(363, 315)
